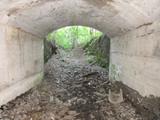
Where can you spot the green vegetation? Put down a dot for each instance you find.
(70, 37)
(98, 58)
(90, 39)
(98, 50)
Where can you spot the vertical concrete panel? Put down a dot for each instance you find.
(3, 60)
(135, 59)
(25, 53)
(13, 53)
(21, 65)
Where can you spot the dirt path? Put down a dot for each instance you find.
(71, 90)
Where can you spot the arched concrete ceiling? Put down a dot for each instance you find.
(113, 17)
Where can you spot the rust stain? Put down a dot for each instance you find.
(146, 24)
(99, 3)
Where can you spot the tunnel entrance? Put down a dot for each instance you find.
(76, 82)
(133, 27)
(94, 44)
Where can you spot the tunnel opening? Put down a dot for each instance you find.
(133, 61)
(76, 83)
(76, 80)
(77, 87)
(95, 44)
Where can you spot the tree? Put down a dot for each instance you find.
(70, 37)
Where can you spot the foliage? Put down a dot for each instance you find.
(93, 48)
(73, 36)
(70, 37)
(98, 58)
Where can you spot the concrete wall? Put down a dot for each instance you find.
(135, 59)
(134, 56)
(113, 17)
(21, 62)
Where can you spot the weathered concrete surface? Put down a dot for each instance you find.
(135, 59)
(113, 17)
(21, 65)
(148, 107)
(3, 63)
(135, 56)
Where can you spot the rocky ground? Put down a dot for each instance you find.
(72, 89)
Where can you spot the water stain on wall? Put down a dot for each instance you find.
(157, 50)
(99, 3)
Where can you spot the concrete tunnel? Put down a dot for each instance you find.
(132, 25)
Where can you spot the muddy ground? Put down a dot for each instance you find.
(72, 89)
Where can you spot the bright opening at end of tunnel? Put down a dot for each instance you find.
(71, 36)
(91, 42)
